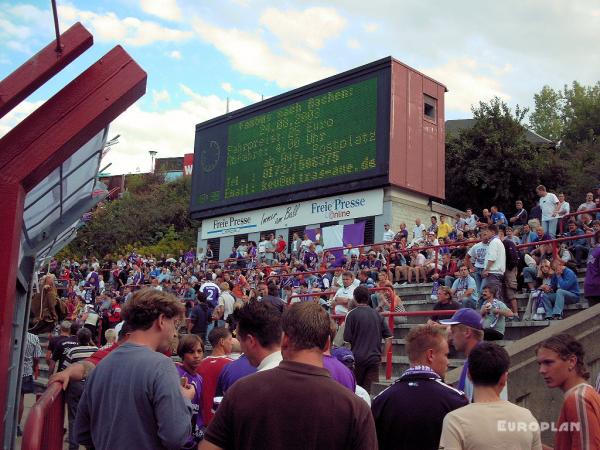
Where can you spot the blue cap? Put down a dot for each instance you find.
(465, 316)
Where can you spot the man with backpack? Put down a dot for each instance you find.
(510, 274)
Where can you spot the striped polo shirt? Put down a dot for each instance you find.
(578, 426)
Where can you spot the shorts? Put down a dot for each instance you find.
(27, 385)
(510, 284)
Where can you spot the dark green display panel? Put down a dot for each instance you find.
(322, 137)
(325, 141)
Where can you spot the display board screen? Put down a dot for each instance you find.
(293, 150)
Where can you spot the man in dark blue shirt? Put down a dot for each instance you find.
(365, 329)
(409, 414)
(579, 247)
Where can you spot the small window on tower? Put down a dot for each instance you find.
(429, 107)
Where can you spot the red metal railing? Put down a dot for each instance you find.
(437, 249)
(391, 315)
(340, 318)
(566, 217)
(44, 429)
(555, 241)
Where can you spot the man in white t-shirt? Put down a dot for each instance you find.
(388, 234)
(476, 261)
(548, 205)
(345, 294)
(226, 300)
(490, 422)
(262, 248)
(471, 221)
(495, 262)
(417, 231)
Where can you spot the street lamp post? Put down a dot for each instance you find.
(152, 155)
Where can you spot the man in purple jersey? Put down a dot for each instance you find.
(339, 372)
(311, 258)
(212, 293)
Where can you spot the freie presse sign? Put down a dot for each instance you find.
(329, 209)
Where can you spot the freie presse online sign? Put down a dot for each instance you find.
(329, 209)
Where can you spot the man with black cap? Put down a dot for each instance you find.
(466, 332)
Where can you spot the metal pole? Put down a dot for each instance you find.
(59, 47)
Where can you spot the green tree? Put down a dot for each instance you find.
(574, 167)
(150, 214)
(492, 163)
(546, 118)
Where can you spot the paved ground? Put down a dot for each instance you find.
(29, 402)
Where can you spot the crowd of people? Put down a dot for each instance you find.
(266, 309)
(281, 383)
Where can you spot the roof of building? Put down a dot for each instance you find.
(460, 124)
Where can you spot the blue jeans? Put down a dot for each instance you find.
(529, 274)
(555, 301)
(448, 280)
(550, 226)
(477, 277)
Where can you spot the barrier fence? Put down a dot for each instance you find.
(44, 429)
(565, 219)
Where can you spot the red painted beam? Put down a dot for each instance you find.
(41, 67)
(39, 144)
(53, 132)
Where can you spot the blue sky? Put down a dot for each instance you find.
(198, 53)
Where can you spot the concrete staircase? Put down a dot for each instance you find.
(417, 297)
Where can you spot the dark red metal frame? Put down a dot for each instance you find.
(48, 137)
(45, 423)
(566, 217)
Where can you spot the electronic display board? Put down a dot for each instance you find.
(329, 137)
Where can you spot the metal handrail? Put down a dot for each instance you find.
(554, 242)
(391, 314)
(44, 428)
(573, 214)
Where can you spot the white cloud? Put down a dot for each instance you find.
(293, 60)
(370, 27)
(19, 46)
(310, 28)
(165, 9)
(160, 96)
(227, 87)
(17, 114)
(353, 43)
(108, 27)
(170, 131)
(251, 95)
(466, 84)
(175, 54)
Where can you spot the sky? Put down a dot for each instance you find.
(199, 53)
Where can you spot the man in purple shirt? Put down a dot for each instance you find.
(339, 372)
(311, 258)
(232, 372)
(591, 285)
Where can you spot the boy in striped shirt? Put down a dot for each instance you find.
(561, 361)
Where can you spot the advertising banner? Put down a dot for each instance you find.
(323, 210)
